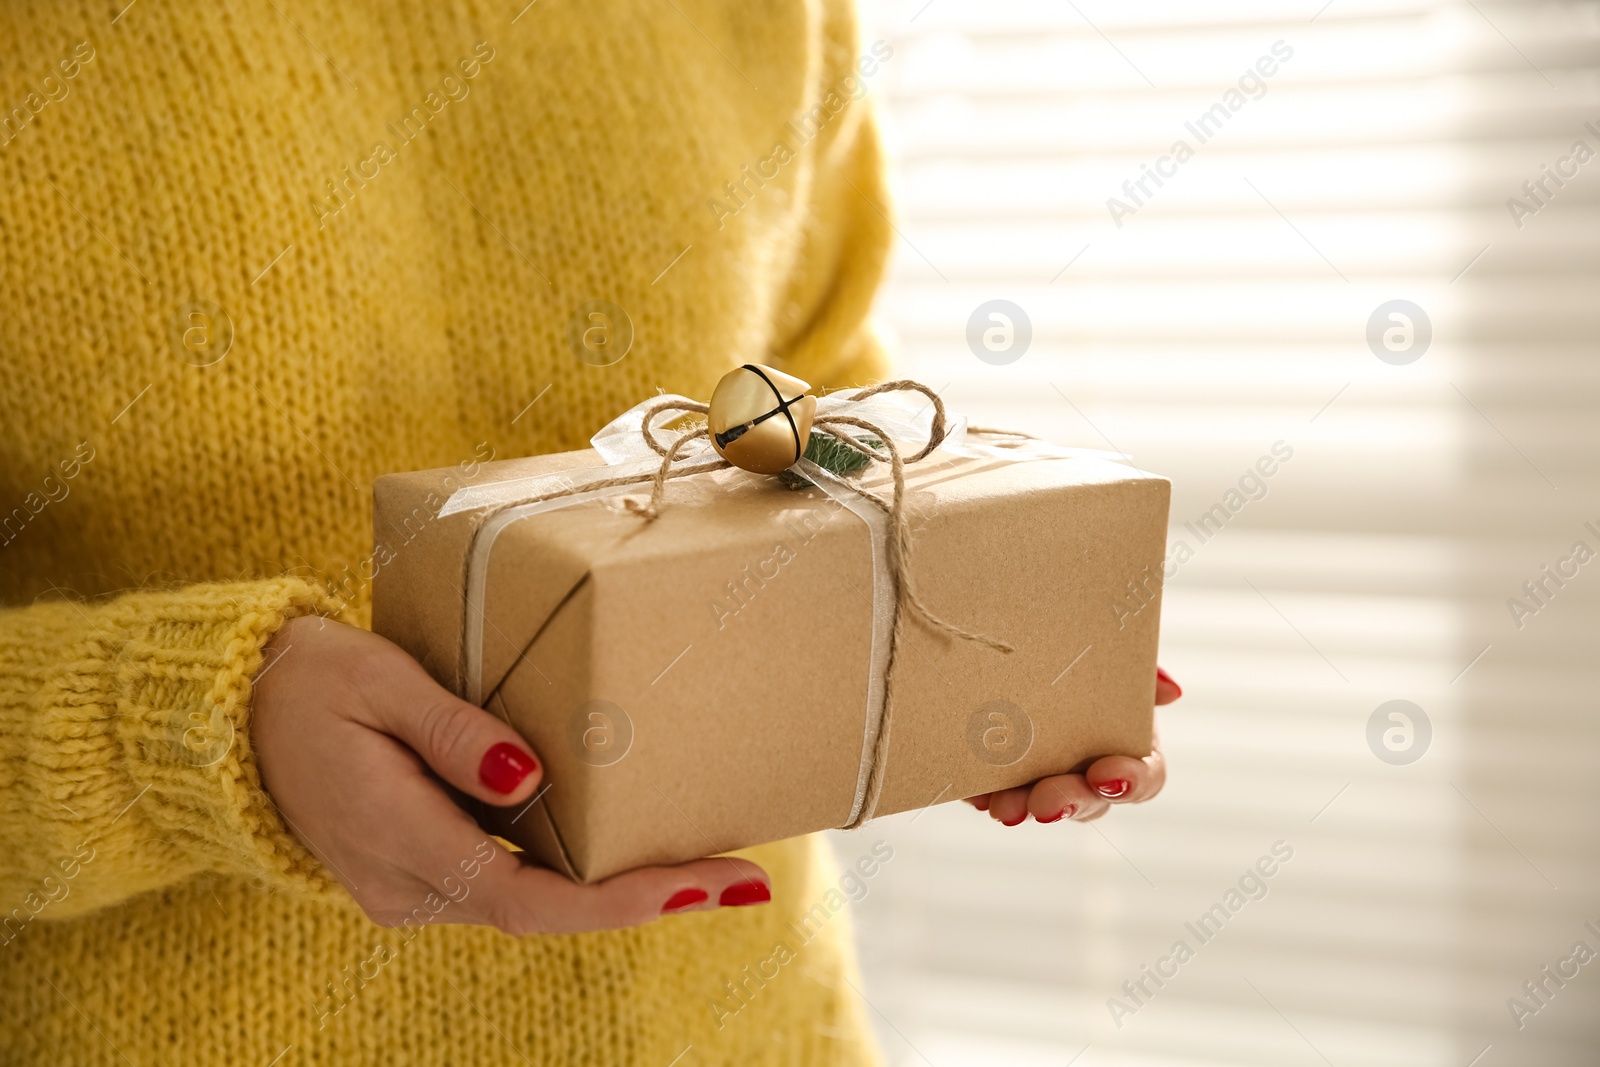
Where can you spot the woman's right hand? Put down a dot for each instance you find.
(347, 728)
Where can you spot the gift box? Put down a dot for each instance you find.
(741, 662)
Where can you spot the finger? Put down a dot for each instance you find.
(425, 854)
(1062, 796)
(981, 801)
(461, 875)
(546, 902)
(465, 745)
(1009, 806)
(1126, 780)
(1167, 690)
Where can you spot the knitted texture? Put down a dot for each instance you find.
(253, 255)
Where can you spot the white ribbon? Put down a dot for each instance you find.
(905, 416)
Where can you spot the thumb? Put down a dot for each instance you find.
(466, 746)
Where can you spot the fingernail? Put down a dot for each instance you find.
(1165, 677)
(1112, 788)
(683, 898)
(1054, 818)
(505, 766)
(741, 893)
(1014, 822)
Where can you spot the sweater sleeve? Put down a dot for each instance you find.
(824, 334)
(125, 759)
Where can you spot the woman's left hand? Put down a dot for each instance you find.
(1087, 796)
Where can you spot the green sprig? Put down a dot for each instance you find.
(831, 454)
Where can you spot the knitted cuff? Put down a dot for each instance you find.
(182, 680)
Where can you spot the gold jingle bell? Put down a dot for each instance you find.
(760, 418)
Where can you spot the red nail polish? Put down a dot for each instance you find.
(505, 766)
(1165, 677)
(742, 893)
(1113, 788)
(1054, 818)
(1014, 822)
(683, 898)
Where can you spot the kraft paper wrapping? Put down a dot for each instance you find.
(698, 684)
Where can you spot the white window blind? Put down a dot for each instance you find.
(1228, 312)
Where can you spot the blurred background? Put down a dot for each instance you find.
(1444, 850)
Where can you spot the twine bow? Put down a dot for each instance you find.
(899, 546)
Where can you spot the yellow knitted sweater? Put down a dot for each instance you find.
(254, 254)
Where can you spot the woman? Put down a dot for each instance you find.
(254, 257)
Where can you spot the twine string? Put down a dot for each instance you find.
(682, 407)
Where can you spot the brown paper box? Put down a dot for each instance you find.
(698, 684)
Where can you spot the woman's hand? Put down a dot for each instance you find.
(346, 728)
(1087, 796)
